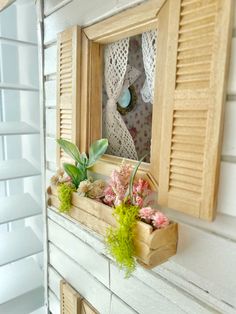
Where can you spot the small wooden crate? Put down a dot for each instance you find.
(153, 247)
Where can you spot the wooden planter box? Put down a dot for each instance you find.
(152, 247)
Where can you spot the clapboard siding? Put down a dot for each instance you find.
(117, 306)
(50, 55)
(88, 14)
(51, 149)
(188, 282)
(82, 281)
(194, 250)
(50, 94)
(229, 140)
(209, 258)
(125, 290)
(226, 195)
(54, 303)
(54, 281)
(232, 69)
(82, 232)
(60, 238)
(201, 277)
(51, 6)
(51, 123)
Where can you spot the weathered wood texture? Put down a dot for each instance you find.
(200, 285)
(200, 299)
(153, 247)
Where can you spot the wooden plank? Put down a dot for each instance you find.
(60, 238)
(91, 289)
(200, 248)
(229, 139)
(80, 231)
(88, 13)
(141, 19)
(51, 123)
(53, 5)
(51, 146)
(186, 281)
(54, 280)
(232, 70)
(50, 93)
(187, 302)
(196, 284)
(118, 306)
(54, 303)
(50, 59)
(226, 195)
(134, 292)
(48, 176)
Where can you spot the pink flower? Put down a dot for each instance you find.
(110, 196)
(146, 213)
(159, 220)
(140, 191)
(118, 185)
(138, 201)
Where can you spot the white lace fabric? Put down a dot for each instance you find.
(115, 130)
(149, 40)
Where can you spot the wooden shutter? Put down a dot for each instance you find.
(68, 87)
(192, 98)
(86, 308)
(70, 299)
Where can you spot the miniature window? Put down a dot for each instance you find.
(128, 88)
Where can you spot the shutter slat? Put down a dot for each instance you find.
(199, 36)
(15, 245)
(12, 211)
(68, 87)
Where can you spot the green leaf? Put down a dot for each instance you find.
(83, 169)
(96, 150)
(84, 159)
(132, 177)
(75, 173)
(71, 149)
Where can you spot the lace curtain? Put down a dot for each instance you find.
(149, 59)
(116, 78)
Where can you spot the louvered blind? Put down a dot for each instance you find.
(68, 86)
(198, 38)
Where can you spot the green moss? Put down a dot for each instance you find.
(65, 191)
(120, 240)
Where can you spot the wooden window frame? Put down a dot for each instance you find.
(128, 23)
(185, 147)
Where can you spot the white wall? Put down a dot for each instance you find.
(201, 278)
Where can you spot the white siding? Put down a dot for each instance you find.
(201, 278)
